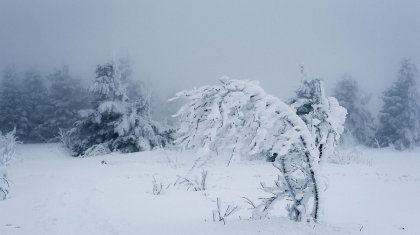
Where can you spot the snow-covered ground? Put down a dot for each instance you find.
(53, 193)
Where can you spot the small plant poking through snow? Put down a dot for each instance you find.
(64, 137)
(198, 184)
(157, 187)
(220, 214)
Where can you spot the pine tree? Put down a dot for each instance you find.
(400, 113)
(359, 124)
(66, 97)
(36, 107)
(115, 123)
(12, 113)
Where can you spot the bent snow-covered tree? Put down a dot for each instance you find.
(115, 123)
(323, 115)
(240, 118)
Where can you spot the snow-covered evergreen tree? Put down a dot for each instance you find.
(115, 123)
(239, 118)
(400, 113)
(12, 113)
(35, 106)
(359, 124)
(323, 115)
(66, 97)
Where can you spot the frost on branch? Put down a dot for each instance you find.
(323, 115)
(239, 117)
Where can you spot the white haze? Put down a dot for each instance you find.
(181, 44)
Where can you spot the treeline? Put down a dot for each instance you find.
(38, 106)
(398, 122)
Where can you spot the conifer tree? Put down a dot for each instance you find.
(35, 106)
(12, 113)
(400, 112)
(66, 97)
(359, 123)
(115, 123)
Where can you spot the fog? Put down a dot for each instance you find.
(182, 44)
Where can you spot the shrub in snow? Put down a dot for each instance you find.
(239, 117)
(115, 123)
(8, 144)
(400, 113)
(323, 115)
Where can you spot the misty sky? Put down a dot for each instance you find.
(179, 44)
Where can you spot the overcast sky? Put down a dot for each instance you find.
(179, 44)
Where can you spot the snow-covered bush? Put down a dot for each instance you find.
(239, 117)
(323, 115)
(115, 123)
(8, 144)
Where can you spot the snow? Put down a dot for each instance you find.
(53, 193)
